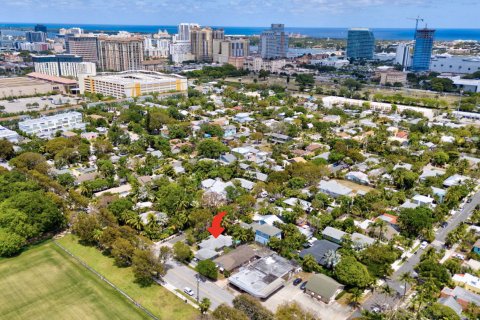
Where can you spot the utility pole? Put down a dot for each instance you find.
(198, 288)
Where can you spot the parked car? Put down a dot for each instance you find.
(424, 244)
(297, 281)
(189, 291)
(445, 224)
(303, 285)
(469, 200)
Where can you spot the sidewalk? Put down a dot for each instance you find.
(173, 290)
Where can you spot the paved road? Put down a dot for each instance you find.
(379, 299)
(182, 276)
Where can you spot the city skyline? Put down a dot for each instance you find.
(296, 13)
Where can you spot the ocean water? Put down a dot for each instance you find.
(334, 33)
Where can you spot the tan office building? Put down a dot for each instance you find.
(120, 53)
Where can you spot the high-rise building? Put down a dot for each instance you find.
(403, 55)
(201, 40)
(226, 49)
(360, 44)
(41, 28)
(35, 36)
(184, 30)
(157, 48)
(120, 53)
(274, 42)
(63, 65)
(84, 46)
(180, 50)
(422, 53)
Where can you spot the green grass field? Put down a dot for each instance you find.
(45, 283)
(158, 300)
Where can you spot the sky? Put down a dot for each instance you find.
(293, 13)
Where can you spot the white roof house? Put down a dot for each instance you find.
(455, 180)
(423, 200)
(357, 176)
(334, 189)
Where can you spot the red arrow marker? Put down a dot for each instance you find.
(216, 229)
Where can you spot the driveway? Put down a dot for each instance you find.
(291, 293)
(181, 276)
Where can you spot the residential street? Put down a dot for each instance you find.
(379, 299)
(182, 276)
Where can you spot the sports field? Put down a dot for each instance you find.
(158, 300)
(45, 283)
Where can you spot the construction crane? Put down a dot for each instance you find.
(418, 18)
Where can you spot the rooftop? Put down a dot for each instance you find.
(134, 76)
(263, 277)
(323, 285)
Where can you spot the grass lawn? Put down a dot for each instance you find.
(160, 301)
(45, 283)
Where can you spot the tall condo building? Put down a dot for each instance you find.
(201, 40)
(228, 50)
(403, 55)
(120, 53)
(422, 53)
(184, 30)
(63, 65)
(84, 46)
(35, 36)
(180, 50)
(274, 42)
(41, 28)
(360, 43)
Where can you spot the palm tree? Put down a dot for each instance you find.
(407, 279)
(331, 258)
(382, 227)
(84, 190)
(355, 296)
(387, 290)
(135, 221)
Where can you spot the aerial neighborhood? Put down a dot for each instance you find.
(226, 193)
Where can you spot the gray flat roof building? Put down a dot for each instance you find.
(263, 277)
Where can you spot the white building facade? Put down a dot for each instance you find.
(46, 127)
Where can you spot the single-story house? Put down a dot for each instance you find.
(122, 191)
(333, 234)
(455, 180)
(358, 177)
(323, 288)
(421, 200)
(236, 258)
(451, 303)
(463, 296)
(210, 248)
(334, 189)
(319, 250)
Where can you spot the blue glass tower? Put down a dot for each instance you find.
(422, 53)
(360, 44)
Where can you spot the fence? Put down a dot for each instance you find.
(138, 305)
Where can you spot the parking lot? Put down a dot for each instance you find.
(37, 103)
(291, 293)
